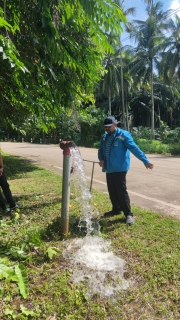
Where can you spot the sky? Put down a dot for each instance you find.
(141, 13)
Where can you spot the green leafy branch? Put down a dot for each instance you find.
(17, 274)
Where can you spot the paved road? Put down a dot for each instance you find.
(157, 189)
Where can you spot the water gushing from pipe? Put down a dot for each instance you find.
(89, 214)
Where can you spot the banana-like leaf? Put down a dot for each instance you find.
(6, 272)
(22, 280)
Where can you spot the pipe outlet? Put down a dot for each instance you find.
(65, 146)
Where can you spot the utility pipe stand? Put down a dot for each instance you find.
(65, 145)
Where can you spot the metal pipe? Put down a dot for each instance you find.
(91, 173)
(92, 177)
(65, 145)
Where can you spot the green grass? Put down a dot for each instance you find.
(31, 238)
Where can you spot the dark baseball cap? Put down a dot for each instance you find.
(109, 121)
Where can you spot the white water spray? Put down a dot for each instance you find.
(94, 265)
(89, 213)
(92, 262)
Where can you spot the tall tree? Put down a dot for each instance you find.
(149, 35)
(109, 84)
(127, 57)
(51, 52)
(129, 11)
(170, 63)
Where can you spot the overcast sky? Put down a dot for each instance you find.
(141, 12)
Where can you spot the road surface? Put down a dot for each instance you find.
(157, 189)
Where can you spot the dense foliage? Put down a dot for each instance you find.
(59, 60)
(50, 54)
(151, 83)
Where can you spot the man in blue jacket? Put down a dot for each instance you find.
(114, 158)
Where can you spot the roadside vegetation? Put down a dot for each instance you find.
(166, 141)
(35, 278)
(158, 147)
(63, 68)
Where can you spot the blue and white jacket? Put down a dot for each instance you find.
(119, 155)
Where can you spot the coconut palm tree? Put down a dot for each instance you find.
(109, 85)
(170, 63)
(126, 12)
(126, 79)
(148, 36)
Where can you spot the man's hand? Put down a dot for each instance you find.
(101, 163)
(149, 166)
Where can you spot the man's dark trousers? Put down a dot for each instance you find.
(7, 193)
(116, 183)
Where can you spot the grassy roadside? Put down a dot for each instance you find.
(31, 251)
(158, 147)
(154, 146)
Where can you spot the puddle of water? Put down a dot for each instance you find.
(96, 266)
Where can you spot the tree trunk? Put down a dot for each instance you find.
(122, 87)
(170, 118)
(152, 102)
(126, 106)
(5, 10)
(109, 94)
(159, 114)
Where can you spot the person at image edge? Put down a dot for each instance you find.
(6, 190)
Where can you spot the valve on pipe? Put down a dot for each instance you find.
(67, 169)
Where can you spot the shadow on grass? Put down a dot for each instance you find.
(4, 248)
(40, 205)
(28, 196)
(51, 233)
(26, 209)
(109, 224)
(53, 230)
(14, 167)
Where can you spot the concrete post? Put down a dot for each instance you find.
(65, 145)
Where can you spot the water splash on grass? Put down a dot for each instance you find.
(96, 266)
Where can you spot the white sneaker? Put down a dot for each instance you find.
(130, 220)
(9, 209)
